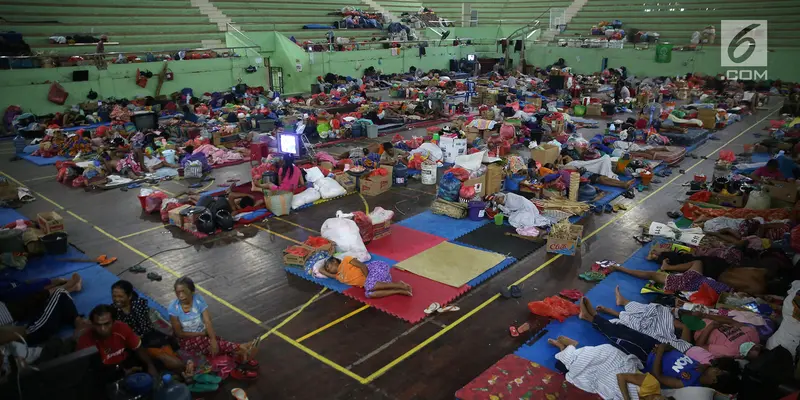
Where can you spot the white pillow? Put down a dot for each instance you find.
(313, 174)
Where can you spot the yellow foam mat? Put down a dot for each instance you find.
(450, 263)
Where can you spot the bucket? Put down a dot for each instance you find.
(428, 174)
(143, 201)
(55, 243)
(646, 176)
(11, 241)
(400, 172)
(498, 219)
(476, 210)
(169, 156)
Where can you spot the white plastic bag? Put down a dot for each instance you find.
(314, 174)
(309, 195)
(470, 162)
(344, 232)
(758, 200)
(329, 188)
(380, 215)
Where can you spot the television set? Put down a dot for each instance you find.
(289, 143)
(471, 57)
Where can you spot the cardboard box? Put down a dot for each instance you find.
(452, 148)
(727, 200)
(567, 247)
(594, 110)
(472, 133)
(375, 185)
(549, 153)
(479, 183)
(175, 217)
(708, 116)
(494, 178)
(347, 181)
(783, 191)
(50, 222)
(327, 165)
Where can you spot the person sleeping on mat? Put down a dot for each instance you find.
(231, 201)
(374, 276)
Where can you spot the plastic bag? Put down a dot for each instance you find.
(467, 192)
(758, 200)
(344, 232)
(702, 196)
(460, 173)
(449, 187)
(364, 224)
(727, 155)
(329, 188)
(705, 296)
(153, 202)
(554, 307)
(309, 195)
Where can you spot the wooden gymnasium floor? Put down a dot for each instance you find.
(323, 344)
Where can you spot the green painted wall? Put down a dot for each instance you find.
(28, 88)
(782, 63)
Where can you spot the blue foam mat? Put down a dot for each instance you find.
(43, 161)
(330, 283)
(755, 158)
(96, 290)
(49, 266)
(441, 225)
(9, 215)
(602, 294)
(612, 192)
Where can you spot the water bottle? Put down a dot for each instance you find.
(19, 144)
(172, 390)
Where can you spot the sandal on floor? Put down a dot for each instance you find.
(250, 365)
(592, 276)
(137, 269)
(154, 276)
(448, 309)
(515, 291)
(432, 308)
(628, 194)
(674, 214)
(572, 294)
(239, 394)
(513, 331)
(199, 387)
(243, 375)
(105, 261)
(621, 206)
(643, 239)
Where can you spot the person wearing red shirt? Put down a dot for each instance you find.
(117, 344)
(771, 171)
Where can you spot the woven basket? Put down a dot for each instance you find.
(449, 208)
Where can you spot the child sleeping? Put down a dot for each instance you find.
(374, 276)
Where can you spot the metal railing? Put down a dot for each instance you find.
(97, 59)
(244, 38)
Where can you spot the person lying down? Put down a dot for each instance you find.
(373, 276)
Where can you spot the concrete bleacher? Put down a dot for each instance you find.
(140, 26)
(676, 23)
(289, 17)
(511, 12)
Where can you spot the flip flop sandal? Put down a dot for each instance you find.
(250, 365)
(134, 185)
(694, 156)
(640, 187)
(591, 276)
(239, 394)
(448, 309)
(674, 214)
(656, 181)
(643, 239)
(106, 261)
(513, 331)
(505, 292)
(628, 194)
(432, 308)
(712, 137)
(595, 209)
(515, 291)
(704, 157)
(572, 294)
(207, 378)
(686, 184)
(244, 375)
(233, 180)
(682, 171)
(137, 269)
(621, 206)
(199, 387)
(154, 276)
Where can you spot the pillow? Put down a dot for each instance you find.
(313, 174)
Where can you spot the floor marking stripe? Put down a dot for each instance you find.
(438, 334)
(366, 205)
(78, 217)
(322, 358)
(330, 324)
(296, 313)
(296, 224)
(41, 178)
(142, 231)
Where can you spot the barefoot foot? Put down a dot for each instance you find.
(621, 301)
(567, 341)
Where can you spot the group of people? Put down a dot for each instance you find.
(129, 336)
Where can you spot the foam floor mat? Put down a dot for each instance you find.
(96, 290)
(50, 266)
(403, 243)
(9, 215)
(501, 381)
(441, 225)
(603, 294)
(451, 264)
(43, 161)
(491, 237)
(411, 309)
(611, 193)
(332, 284)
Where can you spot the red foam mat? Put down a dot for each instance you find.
(411, 309)
(403, 243)
(517, 378)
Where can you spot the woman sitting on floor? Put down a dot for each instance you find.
(374, 276)
(191, 322)
(134, 311)
(290, 177)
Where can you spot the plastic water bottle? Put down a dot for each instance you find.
(172, 390)
(19, 144)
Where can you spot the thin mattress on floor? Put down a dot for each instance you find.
(450, 263)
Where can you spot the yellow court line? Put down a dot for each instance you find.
(481, 306)
(142, 231)
(416, 190)
(322, 358)
(294, 314)
(330, 324)
(78, 217)
(366, 205)
(277, 234)
(41, 178)
(60, 207)
(295, 224)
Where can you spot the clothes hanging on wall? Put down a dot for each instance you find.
(517, 46)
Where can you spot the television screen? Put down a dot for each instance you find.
(289, 143)
(471, 57)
